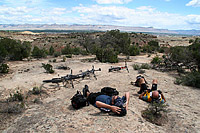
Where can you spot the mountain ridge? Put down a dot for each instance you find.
(94, 27)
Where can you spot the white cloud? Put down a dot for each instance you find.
(142, 16)
(195, 3)
(58, 11)
(193, 19)
(23, 2)
(146, 8)
(112, 1)
(145, 16)
(14, 11)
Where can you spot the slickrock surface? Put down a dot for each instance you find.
(55, 113)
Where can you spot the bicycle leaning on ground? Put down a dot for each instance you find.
(70, 77)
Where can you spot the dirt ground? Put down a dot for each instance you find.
(55, 113)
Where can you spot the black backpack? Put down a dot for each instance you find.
(78, 100)
(109, 91)
(138, 79)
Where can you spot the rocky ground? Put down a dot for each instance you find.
(55, 114)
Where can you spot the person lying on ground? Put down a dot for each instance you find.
(107, 103)
(151, 95)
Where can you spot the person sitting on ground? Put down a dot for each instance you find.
(107, 103)
(150, 95)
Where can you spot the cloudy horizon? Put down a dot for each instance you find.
(160, 14)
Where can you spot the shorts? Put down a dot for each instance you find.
(92, 97)
(143, 86)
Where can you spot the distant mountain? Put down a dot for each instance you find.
(94, 27)
(188, 32)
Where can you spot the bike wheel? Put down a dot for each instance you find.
(47, 81)
(54, 80)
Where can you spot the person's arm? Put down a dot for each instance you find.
(141, 95)
(127, 95)
(114, 109)
(163, 97)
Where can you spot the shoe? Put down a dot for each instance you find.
(85, 90)
(139, 92)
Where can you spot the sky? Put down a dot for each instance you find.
(160, 14)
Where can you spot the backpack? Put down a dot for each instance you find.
(109, 91)
(78, 100)
(138, 80)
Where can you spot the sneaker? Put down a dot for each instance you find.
(139, 92)
(85, 90)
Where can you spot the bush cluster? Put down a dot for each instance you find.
(134, 50)
(4, 68)
(183, 58)
(76, 51)
(143, 66)
(156, 60)
(190, 79)
(39, 53)
(107, 55)
(13, 50)
(48, 68)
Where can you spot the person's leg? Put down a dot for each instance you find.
(86, 91)
(141, 81)
(154, 85)
(142, 85)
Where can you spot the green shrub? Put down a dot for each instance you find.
(107, 55)
(147, 49)
(180, 54)
(191, 79)
(76, 51)
(178, 81)
(161, 50)
(145, 66)
(134, 50)
(48, 68)
(36, 90)
(136, 67)
(51, 50)
(153, 44)
(194, 50)
(54, 60)
(191, 41)
(69, 56)
(4, 68)
(18, 96)
(56, 54)
(156, 113)
(67, 50)
(156, 60)
(38, 53)
(14, 50)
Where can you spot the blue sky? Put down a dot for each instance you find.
(163, 14)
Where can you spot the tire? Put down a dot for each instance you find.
(54, 80)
